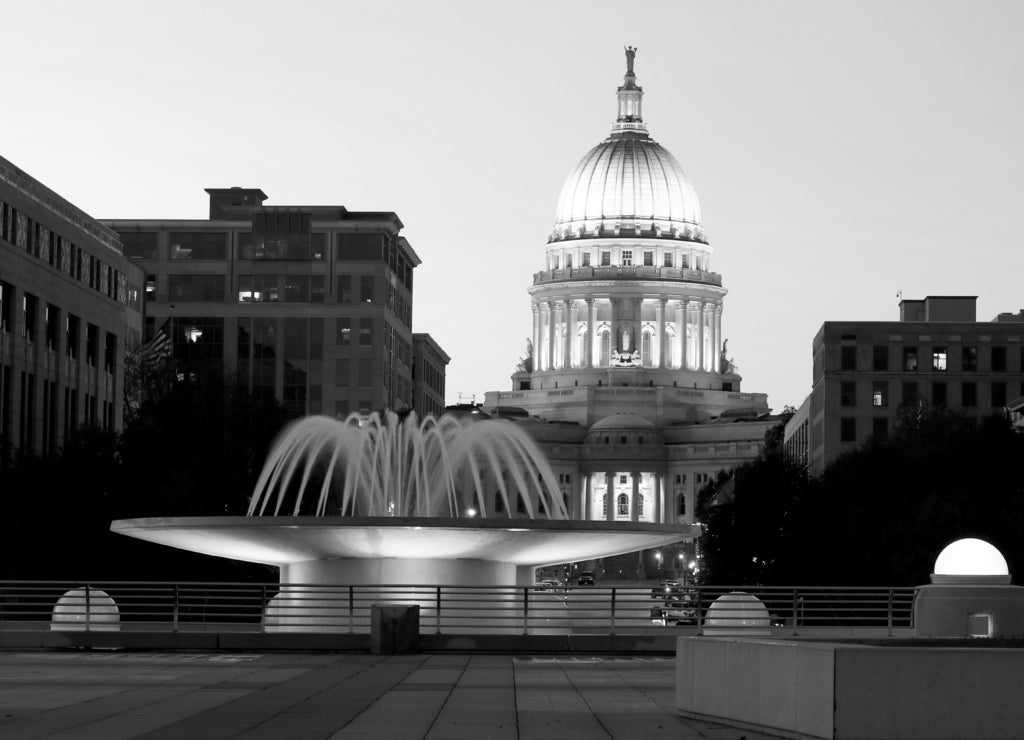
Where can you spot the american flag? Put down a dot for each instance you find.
(159, 347)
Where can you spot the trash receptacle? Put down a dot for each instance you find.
(394, 629)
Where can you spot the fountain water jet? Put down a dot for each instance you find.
(380, 501)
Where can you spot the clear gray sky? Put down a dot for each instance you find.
(842, 151)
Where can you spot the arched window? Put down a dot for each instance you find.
(606, 347)
(646, 349)
(668, 341)
(681, 505)
(640, 504)
(623, 508)
(581, 346)
(604, 505)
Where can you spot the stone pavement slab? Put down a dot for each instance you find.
(164, 695)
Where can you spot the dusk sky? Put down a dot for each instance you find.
(842, 151)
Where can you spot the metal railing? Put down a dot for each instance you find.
(240, 607)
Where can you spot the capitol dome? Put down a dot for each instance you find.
(628, 183)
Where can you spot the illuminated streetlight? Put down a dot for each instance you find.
(470, 511)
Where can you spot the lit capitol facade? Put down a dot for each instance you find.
(627, 384)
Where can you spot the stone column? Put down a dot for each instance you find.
(588, 507)
(681, 332)
(551, 336)
(615, 306)
(591, 331)
(634, 501)
(537, 336)
(718, 339)
(570, 334)
(660, 322)
(658, 493)
(610, 513)
(700, 337)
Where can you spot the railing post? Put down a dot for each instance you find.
(612, 629)
(796, 605)
(700, 611)
(437, 618)
(263, 607)
(88, 610)
(351, 608)
(526, 610)
(174, 618)
(890, 612)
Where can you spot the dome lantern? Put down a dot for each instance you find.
(628, 184)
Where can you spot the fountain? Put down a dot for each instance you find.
(388, 501)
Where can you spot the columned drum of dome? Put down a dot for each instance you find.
(627, 295)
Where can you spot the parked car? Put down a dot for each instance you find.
(585, 578)
(674, 612)
(667, 590)
(548, 584)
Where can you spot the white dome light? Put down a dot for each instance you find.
(971, 557)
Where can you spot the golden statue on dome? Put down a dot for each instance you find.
(630, 54)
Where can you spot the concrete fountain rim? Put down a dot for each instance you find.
(282, 540)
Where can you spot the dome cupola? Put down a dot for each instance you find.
(628, 184)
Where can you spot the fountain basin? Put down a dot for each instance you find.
(318, 549)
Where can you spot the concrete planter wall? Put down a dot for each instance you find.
(845, 691)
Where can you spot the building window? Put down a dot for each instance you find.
(139, 245)
(969, 359)
(880, 428)
(606, 259)
(648, 259)
(969, 395)
(198, 246)
(880, 357)
(52, 327)
(366, 373)
(909, 395)
(880, 394)
(344, 289)
(848, 358)
(365, 332)
(110, 354)
(623, 505)
(847, 429)
(585, 259)
(681, 504)
(366, 286)
(627, 257)
(938, 394)
(622, 478)
(30, 314)
(847, 394)
(344, 331)
(92, 344)
(910, 358)
(998, 395)
(999, 359)
(668, 259)
(640, 504)
(939, 359)
(71, 337)
(341, 373)
(6, 306)
(568, 261)
(680, 479)
(196, 288)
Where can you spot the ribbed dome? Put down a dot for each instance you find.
(628, 181)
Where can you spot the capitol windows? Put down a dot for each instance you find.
(999, 360)
(622, 505)
(969, 359)
(626, 258)
(681, 504)
(606, 259)
(568, 261)
(910, 358)
(880, 357)
(668, 259)
(848, 357)
(585, 259)
(939, 359)
(648, 259)
(969, 395)
(606, 346)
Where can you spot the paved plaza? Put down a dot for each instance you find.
(100, 694)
